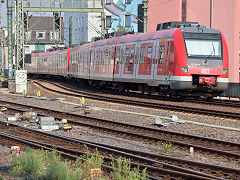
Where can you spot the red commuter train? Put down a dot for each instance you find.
(184, 61)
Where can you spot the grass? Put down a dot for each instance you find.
(123, 171)
(45, 165)
(40, 164)
(165, 147)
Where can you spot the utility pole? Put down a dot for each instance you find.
(211, 13)
(2, 45)
(20, 35)
(57, 23)
(10, 40)
(184, 10)
(145, 17)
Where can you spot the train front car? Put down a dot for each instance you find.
(201, 62)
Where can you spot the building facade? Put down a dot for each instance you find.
(125, 14)
(219, 14)
(40, 35)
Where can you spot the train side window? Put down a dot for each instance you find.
(168, 48)
(97, 58)
(131, 56)
(117, 56)
(86, 56)
(149, 55)
(122, 56)
(137, 55)
(127, 56)
(142, 55)
(161, 54)
(101, 56)
(81, 57)
(112, 56)
(155, 54)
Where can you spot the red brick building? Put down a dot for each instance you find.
(219, 14)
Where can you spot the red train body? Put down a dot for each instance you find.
(180, 61)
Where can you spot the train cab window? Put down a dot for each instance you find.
(142, 55)
(161, 54)
(131, 56)
(149, 55)
(117, 56)
(127, 56)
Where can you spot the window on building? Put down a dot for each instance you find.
(128, 1)
(51, 35)
(26, 49)
(28, 35)
(40, 35)
(127, 21)
(108, 1)
(108, 21)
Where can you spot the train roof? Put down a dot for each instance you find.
(200, 30)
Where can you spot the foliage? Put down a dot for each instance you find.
(48, 165)
(88, 161)
(165, 147)
(121, 29)
(123, 171)
(30, 162)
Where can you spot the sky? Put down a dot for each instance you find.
(34, 3)
(4, 14)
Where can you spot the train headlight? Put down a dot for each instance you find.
(224, 71)
(184, 69)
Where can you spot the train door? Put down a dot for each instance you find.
(111, 62)
(145, 62)
(121, 66)
(97, 62)
(137, 55)
(129, 59)
(155, 58)
(105, 62)
(92, 62)
(163, 62)
(117, 60)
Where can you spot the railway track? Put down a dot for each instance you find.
(155, 169)
(200, 144)
(153, 162)
(76, 93)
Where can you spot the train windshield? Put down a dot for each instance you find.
(203, 45)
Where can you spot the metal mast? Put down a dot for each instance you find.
(10, 39)
(145, 17)
(19, 35)
(2, 42)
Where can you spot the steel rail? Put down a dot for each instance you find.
(231, 115)
(229, 149)
(220, 171)
(158, 168)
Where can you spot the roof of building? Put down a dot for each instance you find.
(42, 23)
